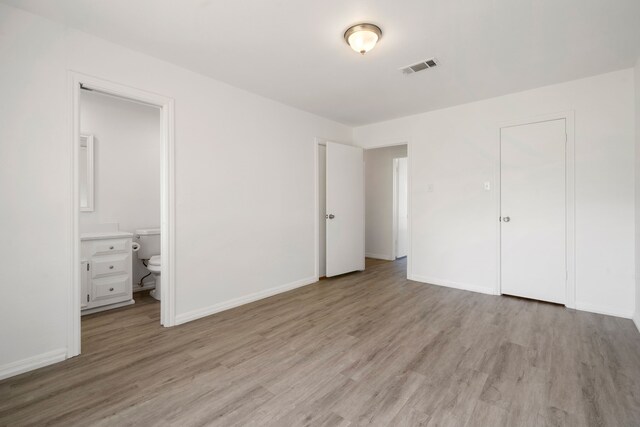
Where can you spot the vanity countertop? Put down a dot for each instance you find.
(105, 235)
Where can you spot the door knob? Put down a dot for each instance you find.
(506, 219)
(331, 216)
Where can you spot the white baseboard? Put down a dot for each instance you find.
(379, 256)
(216, 308)
(31, 363)
(146, 287)
(450, 284)
(609, 311)
(107, 307)
(582, 306)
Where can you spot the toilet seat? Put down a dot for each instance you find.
(154, 264)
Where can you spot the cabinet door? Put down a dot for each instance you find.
(85, 295)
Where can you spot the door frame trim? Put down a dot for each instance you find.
(395, 215)
(394, 206)
(570, 230)
(167, 195)
(317, 142)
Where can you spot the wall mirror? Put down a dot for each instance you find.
(85, 173)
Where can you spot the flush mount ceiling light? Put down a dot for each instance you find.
(363, 37)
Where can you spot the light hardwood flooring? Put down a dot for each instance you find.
(365, 348)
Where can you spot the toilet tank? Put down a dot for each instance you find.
(149, 239)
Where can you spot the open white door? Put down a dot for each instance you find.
(533, 210)
(345, 209)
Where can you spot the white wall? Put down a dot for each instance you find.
(637, 188)
(454, 227)
(232, 149)
(35, 189)
(127, 165)
(378, 166)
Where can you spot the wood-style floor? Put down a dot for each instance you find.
(366, 348)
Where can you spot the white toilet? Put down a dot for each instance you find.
(149, 252)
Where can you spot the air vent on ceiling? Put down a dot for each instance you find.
(422, 65)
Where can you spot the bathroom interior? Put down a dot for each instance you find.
(119, 192)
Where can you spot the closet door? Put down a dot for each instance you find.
(533, 210)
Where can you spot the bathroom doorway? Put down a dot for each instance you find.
(123, 214)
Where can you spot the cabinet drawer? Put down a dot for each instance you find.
(111, 246)
(111, 287)
(117, 264)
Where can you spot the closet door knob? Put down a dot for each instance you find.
(506, 219)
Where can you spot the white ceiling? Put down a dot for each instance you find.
(293, 51)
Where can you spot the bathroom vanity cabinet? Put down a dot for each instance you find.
(106, 276)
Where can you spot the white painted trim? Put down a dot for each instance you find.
(609, 311)
(456, 285)
(409, 210)
(31, 363)
(571, 208)
(167, 196)
(403, 141)
(587, 307)
(168, 215)
(90, 174)
(569, 117)
(636, 320)
(151, 284)
(316, 206)
(394, 209)
(379, 256)
(236, 302)
(108, 307)
(74, 307)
